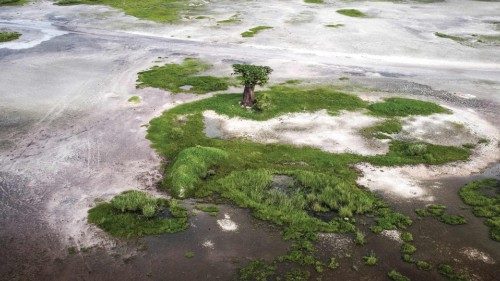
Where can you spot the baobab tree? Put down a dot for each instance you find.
(251, 75)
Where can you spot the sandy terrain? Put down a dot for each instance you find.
(69, 137)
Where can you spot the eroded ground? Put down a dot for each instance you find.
(69, 136)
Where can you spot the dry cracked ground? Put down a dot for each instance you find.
(69, 137)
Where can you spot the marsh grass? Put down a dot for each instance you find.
(488, 206)
(6, 36)
(370, 259)
(256, 270)
(438, 211)
(254, 30)
(173, 76)
(135, 214)
(351, 13)
(155, 10)
(325, 182)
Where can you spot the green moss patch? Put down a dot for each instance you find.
(405, 107)
(336, 25)
(12, 3)
(155, 10)
(351, 13)
(175, 77)
(208, 208)
(483, 196)
(134, 99)
(135, 214)
(384, 129)
(9, 36)
(253, 31)
(314, 1)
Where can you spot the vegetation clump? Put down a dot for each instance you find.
(190, 166)
(450, 273)
(208, 208)
(134, 99)
(438, 211)
(423, 265)
(179, 78)
(405, 107)
(474, 194)
(384, 129)
(11, 2)
(351, 13)
(155, 10)
(254, 30)
(370, 259)
(396, 276)
(256, 270)
(135, 214)
(6, 36)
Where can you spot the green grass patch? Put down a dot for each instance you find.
(134, 99)
(254, 30)
(396, 276)
(314, 1)
(351, 13)
(9, 36)
(438, 211)
(155, 10)
(12, 2)
(405, 107)
(135, 214)
(384, 129)
(173, 76)
(448, 272)
(190, 165)
(208, 208)
(483, 196)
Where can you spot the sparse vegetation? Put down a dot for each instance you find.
(257, 270)
(6, 36)
(384, 129)
(173, 77)
(488, 206)
(233, 19)
(423, 265)
(396, 276)
(254, 30)
(136, 214)
(438, 211)
(351, 13)
(12, 2)
(334, 25)
(189, 254)
(314, 1)
(333, 264)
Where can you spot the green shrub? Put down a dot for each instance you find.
(406, 236)
(416, 149)
(408, 248)
(423, 265)
(263, 102)
(450, 273)
(189, 254)
(333, 264)
(360, 238)
(396, 276)
(370, 259)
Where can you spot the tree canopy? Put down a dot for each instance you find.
(251, 75)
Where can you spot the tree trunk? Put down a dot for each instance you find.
(248, 96)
